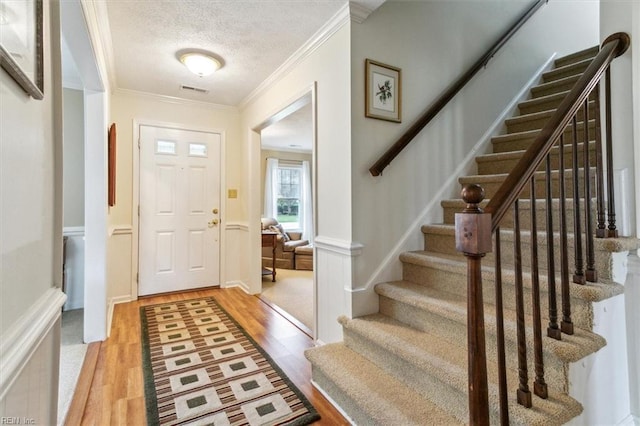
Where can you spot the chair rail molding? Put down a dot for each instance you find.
(348, 248)
(73, 231)
(237, 226)
(22, 340)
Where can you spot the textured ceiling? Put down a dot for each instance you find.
(253, 38)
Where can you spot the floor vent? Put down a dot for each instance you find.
(193, 89)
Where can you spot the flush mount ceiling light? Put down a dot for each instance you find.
(199, 63)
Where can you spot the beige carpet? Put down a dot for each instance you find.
(292, 292)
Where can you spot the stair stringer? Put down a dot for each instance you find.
(391, 268)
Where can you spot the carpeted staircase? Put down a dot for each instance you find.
(407, 364)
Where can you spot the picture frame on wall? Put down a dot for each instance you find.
(383, 91)
(21, 44)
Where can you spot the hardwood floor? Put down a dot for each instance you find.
(116, 396)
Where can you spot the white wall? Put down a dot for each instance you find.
(434, 42)
(624, 16)
(618, 16)
(128, 106)
(73, 196)
(31, 237)
(73, 176)
(327, 67)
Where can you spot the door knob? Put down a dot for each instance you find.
(213, 222)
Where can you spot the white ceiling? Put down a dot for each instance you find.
(253, 38)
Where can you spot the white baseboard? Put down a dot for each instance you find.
(237, 283)
(332, 402)
(21, 341)
(112, 303)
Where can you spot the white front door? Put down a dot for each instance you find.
(179, 210)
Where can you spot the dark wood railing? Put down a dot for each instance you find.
(476, 229)
(450, 92)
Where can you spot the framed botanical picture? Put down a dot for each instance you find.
(21, 44)
(383, 91)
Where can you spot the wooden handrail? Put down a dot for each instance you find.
(614, 46)
(450, 92)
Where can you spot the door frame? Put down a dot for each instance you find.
(255, 207)
(135, 219)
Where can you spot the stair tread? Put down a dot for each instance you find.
(436, 356)
(612, 245)
(590, 52)
(501, 176)
(592, 292)
(543, 87)
(383, 397)
(578, 65)
(454, 307)
(496, 156)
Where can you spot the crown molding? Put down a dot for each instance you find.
(359, 12)
(97, 21)
(361, 9)
(338, 20)
(173, 100)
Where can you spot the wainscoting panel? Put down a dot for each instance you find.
(235, 261)
(29, 362)
(334, 283)
(121, 287)
(74, 267)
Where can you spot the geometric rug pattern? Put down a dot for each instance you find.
(202, 368)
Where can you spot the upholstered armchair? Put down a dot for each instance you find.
(285, 247)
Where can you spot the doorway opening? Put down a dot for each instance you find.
(287, 154)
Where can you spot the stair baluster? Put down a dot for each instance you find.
(601, 231)
(611, 208)
(539, 385)
(502, 369)
(578, 276)
(523, 394)
(591, 274)
(566, 325)
(553, 330)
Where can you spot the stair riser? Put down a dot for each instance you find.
(416, 378)
(446, 244)
(519, 143)
(530, 123)
(576, 57)
(543, 104)
(451, 330)
(525, 217)
(499, 166)
(553, 88)
(538, 121)
(581, 311)
(491, 187)
(566, 71)
(341, 398)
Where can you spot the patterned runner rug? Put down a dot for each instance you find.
(201, 368)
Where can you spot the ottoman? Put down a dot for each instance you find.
(304, 258)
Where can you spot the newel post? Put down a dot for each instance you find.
(473, 238)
